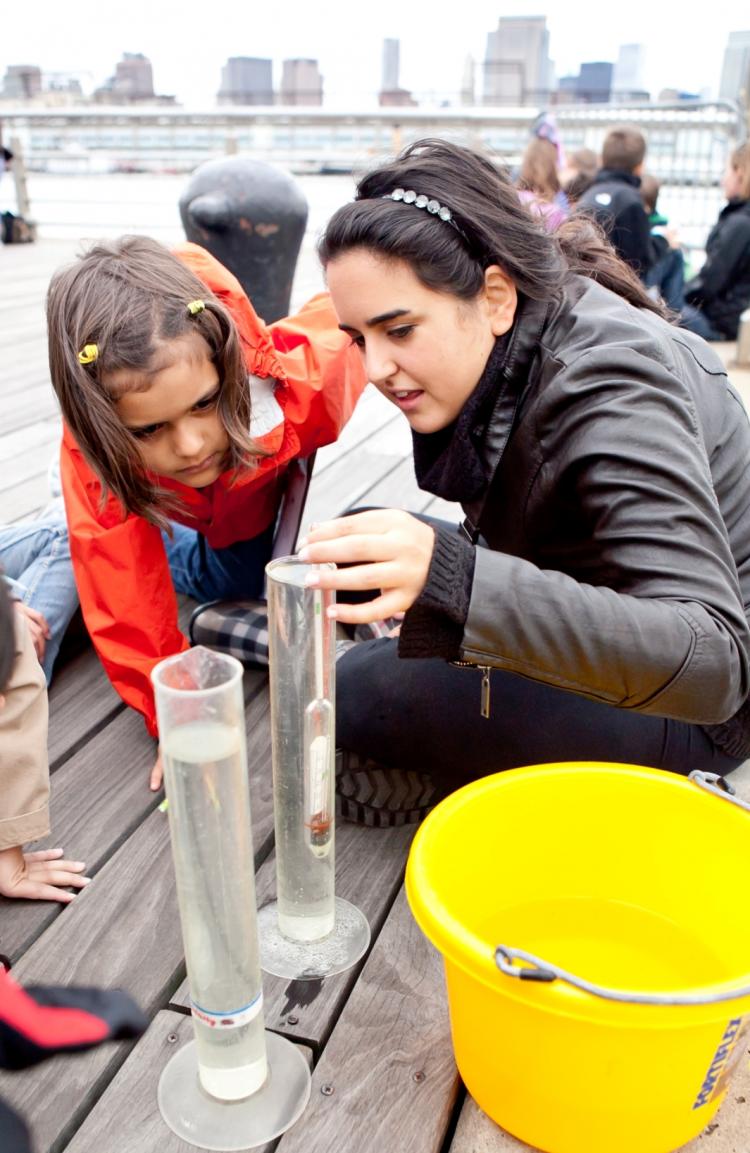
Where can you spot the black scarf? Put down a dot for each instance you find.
(449, 462)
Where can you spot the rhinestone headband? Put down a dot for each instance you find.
(419, 200)
(434, 207)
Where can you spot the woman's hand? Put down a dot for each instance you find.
(40, 876)
(388, 549)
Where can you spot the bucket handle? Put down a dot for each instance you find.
(719, 786)
(506, 958)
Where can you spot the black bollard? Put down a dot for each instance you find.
(251, 217)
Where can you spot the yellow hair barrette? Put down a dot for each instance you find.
(88, 353)
(195, 307)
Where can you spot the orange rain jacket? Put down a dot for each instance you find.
(120, 564)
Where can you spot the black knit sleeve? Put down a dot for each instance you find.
(434, 625)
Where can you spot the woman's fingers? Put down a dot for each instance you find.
(353, 577)
(379, 609)
(376, 520)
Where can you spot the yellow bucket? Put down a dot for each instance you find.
(593, 922)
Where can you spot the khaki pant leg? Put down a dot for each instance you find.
(24, 767)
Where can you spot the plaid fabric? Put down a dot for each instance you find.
(239, 628)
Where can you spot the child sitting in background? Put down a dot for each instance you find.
(24, 772)
(667, 273)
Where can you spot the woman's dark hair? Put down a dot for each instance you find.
(129, 298)
(493, 227)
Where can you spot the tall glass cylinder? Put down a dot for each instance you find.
(301, 644)
(308, 932)
(200, 711)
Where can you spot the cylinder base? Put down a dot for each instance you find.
(209, 1123)
(311, 960)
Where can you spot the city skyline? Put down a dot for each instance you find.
(188, 54)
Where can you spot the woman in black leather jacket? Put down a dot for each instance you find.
(719, 294)
(597, 590)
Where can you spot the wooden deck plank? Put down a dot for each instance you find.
(127, 1119)
(388, 1063)
(24, 500)
(28, 439)
(81, 701)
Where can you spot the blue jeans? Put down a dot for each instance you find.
(35, 556)
(212, 574)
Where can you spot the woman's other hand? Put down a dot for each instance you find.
(387, 550)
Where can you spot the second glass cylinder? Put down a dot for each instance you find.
(302, 680)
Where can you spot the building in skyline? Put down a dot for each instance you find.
(595, 82)
(22, 82)
(301, 82)
(735, 72)
(391, 94)
(628, 75)
(389, 78)
(517, 67)
(246, 80)
(133, 81)
(468, 95)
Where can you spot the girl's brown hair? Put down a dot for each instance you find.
(539, 169)
(740, 162)
(130, 297)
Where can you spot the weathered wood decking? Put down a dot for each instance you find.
(378, 1035)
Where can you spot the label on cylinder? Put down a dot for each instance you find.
(231, 1020)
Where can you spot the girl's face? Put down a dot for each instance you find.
(175, 419)
(731, 182)
(424, 350)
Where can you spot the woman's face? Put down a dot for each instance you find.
(176, 419)
(424, 350)
(731, 182)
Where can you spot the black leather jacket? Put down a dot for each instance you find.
(617, 516)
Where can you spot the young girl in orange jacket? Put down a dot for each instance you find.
(182, 411)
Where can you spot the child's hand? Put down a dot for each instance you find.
(388, 549)
(157, 773)
(37, 626)
(40, 876)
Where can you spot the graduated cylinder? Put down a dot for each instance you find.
(200, 712)
(301, 649)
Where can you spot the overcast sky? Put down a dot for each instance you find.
(189, 40)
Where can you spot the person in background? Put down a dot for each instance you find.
(614, 198)
(538, 179)
(596, 596)
(718, 295)
(578, 173)
(667, 273)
